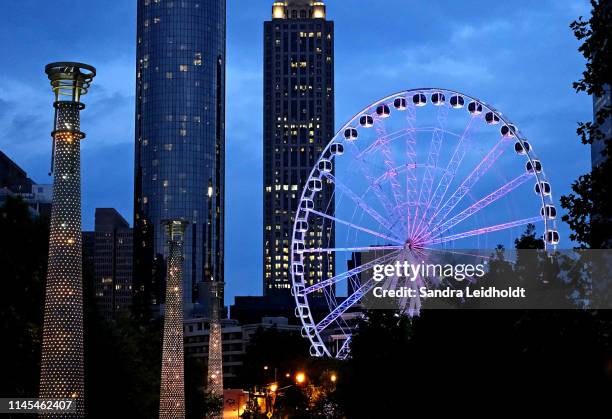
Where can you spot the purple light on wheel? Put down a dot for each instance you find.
(403, 184)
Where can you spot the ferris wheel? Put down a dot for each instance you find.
(420, 169)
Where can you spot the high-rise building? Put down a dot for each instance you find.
(107, 251)
(298, 123)
(180, 143)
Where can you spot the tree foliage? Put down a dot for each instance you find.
(23, 265)
(589, 205)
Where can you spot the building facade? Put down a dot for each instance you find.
(111, 262)
(235, 338)
(180, 143)
(14, 181)
(298, 123)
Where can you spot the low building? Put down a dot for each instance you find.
(251, 309)
(14, 181)
(235, 339)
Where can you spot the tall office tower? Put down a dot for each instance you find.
(62, 374)
(112, 263)
(172, 392)
(180, 143)
(298, 123)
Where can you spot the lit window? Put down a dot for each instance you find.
(168, 147)
(198, 59)
(183, 67)
(156, 20)
(182, 132)
(168, 74)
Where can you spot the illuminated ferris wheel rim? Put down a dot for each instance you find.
(312, 330)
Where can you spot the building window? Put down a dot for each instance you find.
(183, 67)
(168, 74)
(182, 132)
(197, 59)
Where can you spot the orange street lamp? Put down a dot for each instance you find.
(273, 387)
(300, 377)
(333, 378)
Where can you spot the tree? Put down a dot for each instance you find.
(270, 351)
(590, 204)
(23, 260)
(373, 382)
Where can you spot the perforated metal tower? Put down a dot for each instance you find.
(172, 394)
(215, 346)
(62, 366)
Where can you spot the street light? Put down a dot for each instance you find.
(333, 378)
(300, 377)
(273, 387)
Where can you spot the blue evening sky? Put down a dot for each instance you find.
(519, 56)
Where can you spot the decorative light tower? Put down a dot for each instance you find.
(172, 394)
(215, 348)
(62, 366)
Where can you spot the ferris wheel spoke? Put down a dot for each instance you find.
(481, 169)
(396, 189)
(477, 206)
(437, 137)
(356, 227)
(350, 249)
(449, 174)
(350, 273)
(362, 204)
(455, 252)
(484, 230)
(411, 161)
(375, 187)
(345, 348)
(384, 140)
(345, 305)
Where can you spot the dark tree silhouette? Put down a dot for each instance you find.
(589, 205)
(23, 265)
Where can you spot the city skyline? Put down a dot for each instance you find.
(496, 71)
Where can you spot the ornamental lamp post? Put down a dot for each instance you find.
(62, 364)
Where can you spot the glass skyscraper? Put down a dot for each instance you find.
(298, 123)
(180, 144)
